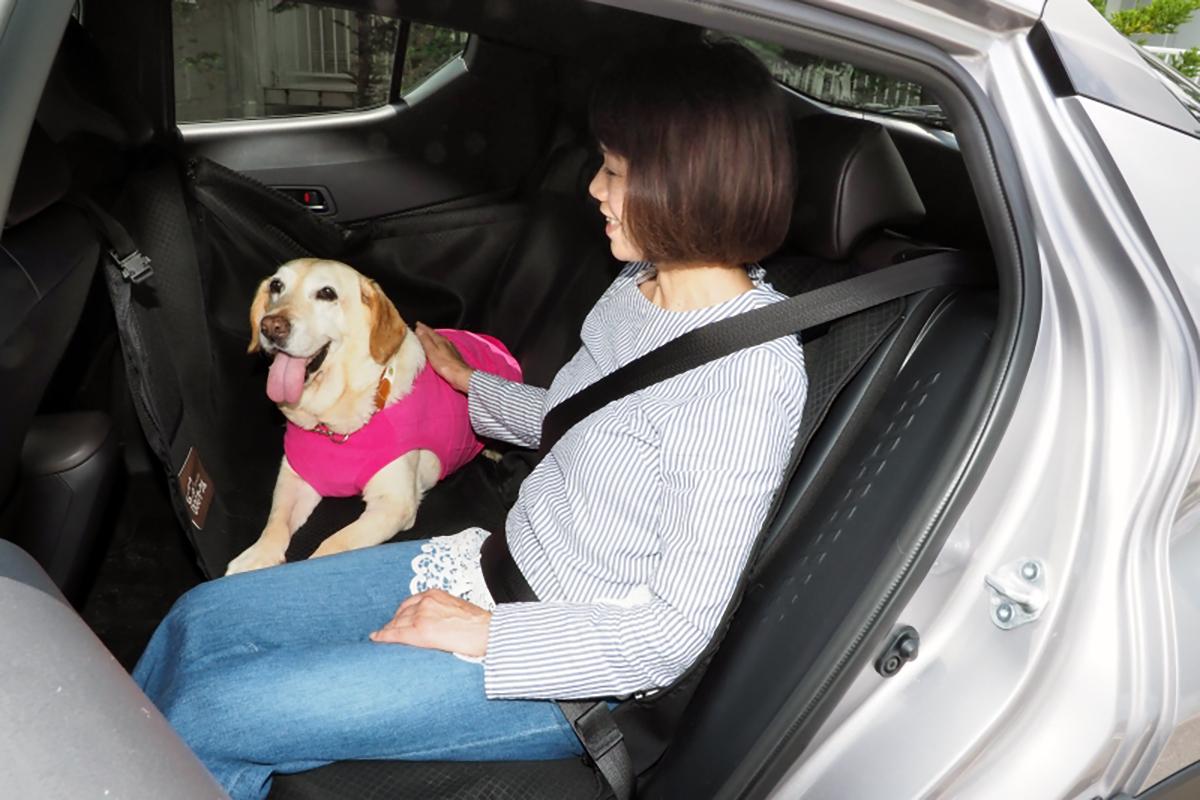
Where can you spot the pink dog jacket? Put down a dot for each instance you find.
(433, 416)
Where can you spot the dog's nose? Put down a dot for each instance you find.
(276, 327)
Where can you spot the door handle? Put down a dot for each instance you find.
(315, 198)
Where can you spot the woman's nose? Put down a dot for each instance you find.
(597, 187)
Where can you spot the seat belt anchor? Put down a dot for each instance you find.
(134, 267)
(595, 731)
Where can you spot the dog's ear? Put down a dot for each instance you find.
(387, 328)
(257, 309)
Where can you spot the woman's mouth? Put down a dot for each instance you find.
(611, 224)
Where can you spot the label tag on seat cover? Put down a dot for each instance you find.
(196, 487)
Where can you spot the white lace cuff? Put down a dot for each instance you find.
(451, 563)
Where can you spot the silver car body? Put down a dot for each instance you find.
(1089, 684)
(1095, 477)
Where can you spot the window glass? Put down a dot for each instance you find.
(429, 48)
(247, 59)
(1184, 90)
(841, 84)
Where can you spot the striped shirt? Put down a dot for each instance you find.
(634, 529)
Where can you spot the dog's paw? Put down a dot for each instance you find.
(255, 557)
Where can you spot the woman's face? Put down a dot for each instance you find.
(609, 188)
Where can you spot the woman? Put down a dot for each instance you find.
(632, 531)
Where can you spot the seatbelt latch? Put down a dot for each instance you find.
(595, 729)
(134, 267)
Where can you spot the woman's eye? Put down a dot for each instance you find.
(275, 286)
(326, 293)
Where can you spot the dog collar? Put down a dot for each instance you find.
(385, 386)
(381, 396)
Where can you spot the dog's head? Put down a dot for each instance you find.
(313, 316)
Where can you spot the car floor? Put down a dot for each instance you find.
(147, 565)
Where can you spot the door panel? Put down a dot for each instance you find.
(475, 127)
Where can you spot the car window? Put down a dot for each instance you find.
(1184, 90)
(270, 58)
(845, 85)
(428, 48)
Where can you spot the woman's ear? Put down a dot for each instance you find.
(257, 309)
(387, 328)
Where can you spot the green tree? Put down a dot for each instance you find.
(1154, 17)
(429, 47)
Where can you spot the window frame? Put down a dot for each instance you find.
(932, 122)
(394, 97)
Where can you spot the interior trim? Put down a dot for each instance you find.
(30, 31)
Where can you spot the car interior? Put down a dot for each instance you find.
(140, 448)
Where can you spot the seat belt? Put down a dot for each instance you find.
(592, 720)
(794, 315)
(133, 265)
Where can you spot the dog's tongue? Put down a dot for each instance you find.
(285, 381)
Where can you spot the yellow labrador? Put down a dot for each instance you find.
(340, 353)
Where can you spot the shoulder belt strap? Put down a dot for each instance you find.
(725, 337)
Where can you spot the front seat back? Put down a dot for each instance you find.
(48, 254)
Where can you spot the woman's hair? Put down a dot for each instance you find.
(707, 137)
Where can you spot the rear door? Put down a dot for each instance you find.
(355, 114)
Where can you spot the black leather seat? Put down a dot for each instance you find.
(54, 470)
(539, 318)
(823, 550)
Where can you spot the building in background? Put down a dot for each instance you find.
(245, 59)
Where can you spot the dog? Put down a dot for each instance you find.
(364, 413)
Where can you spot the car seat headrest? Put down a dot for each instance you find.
(851, 181)
(43, 179)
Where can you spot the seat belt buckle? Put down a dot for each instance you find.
(134, 267)
(595, 731)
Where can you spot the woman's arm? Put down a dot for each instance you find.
(506, 410)
(718, 483)
(499, 408)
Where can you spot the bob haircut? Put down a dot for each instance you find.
(707, 137)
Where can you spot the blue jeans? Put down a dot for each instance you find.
(272, 671)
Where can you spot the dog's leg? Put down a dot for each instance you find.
(292, 503)
(429, 469)
(392, 497)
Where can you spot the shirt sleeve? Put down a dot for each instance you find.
(506, 410)
(718, 481)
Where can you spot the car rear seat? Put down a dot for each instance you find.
(834, 533)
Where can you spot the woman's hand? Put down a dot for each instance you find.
(444, 357)
(439, 621)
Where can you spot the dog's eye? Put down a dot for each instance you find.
(326, 293)
(275, 286)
